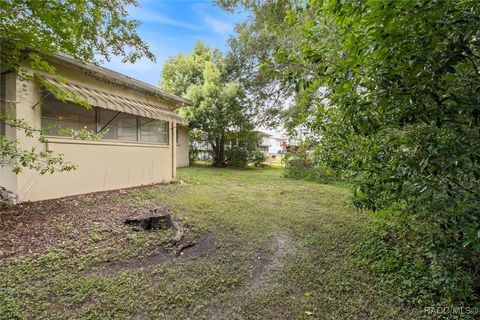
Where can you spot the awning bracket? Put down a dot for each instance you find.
(109, 121)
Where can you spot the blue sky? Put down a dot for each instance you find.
(173, 26)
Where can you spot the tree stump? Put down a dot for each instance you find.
(158, 218)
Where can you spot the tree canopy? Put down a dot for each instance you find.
(87, 30)
(390, 91)
(220, 111)
(84, 29)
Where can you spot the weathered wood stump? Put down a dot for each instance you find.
(158, 218)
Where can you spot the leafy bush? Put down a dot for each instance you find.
(422, 260)
(394, 94)
(241, 157)
(257, 158)
(305, 163)
(237, 157)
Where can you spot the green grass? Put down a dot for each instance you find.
(312, 275)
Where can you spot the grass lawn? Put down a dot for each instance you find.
(266, 248)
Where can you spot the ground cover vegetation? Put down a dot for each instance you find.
(266, 248)
(388, 93)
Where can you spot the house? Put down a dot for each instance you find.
(270, 144)
(265, 142)
(144, 139)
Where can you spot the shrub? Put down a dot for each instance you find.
(422, 259)
(257, 158)
(304, 163)
(237, 157)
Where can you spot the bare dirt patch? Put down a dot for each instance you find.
(36, 227)
(264, 266)
(203, 247)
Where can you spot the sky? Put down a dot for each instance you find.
(173, 26)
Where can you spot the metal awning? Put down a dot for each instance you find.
(106, 100)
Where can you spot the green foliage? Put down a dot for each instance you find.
(83, 29)
(250, 55)
(397, 106)
(31, 31)
(219, 108)
(257, 158)
(243, 150)
(421, 259)
(11, 155)
(391, 90)
(304, 162)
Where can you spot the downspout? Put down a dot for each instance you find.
(33, 179)
(23, 193)
(174, 150)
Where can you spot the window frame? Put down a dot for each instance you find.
(165, 133)
(101, 126)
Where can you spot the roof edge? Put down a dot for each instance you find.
(123, 79)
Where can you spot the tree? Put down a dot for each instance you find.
(392, 90)
(85, 29)
(250, 58)
(398, 109)
(219, 108)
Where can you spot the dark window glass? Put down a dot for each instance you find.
(155, 131)
(113, 125)
(58, 115)
(117, 126)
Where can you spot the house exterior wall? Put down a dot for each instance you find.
(101, 165)
(277, 145)
(8, 179)
(271, 144)
(182, 147)
(265, 141)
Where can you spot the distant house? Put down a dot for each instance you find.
(270, 144)
(144, 140)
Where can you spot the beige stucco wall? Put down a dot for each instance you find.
(102, 165)
(8, 179)
(80, 77)
(182, 147)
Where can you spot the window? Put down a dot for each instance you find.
(117, 125)
(114, 125)
(151, 130)
(58, 115)
(176, 136)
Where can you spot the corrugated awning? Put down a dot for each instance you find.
(106, 100)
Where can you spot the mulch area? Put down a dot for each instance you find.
(35, 227)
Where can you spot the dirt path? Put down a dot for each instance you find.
(261, 280)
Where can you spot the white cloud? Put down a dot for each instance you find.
(143, 15)
(214, 24)
(217, 25)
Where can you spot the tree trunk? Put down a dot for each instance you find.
(219, 152)
(222, 152)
